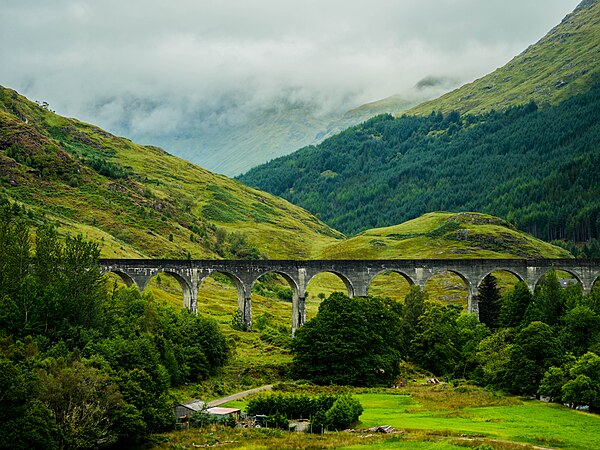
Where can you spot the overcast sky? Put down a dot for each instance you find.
(138, 67)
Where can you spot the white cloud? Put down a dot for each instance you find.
(154, 67)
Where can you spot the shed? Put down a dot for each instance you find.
(222, 413)
(184, 411)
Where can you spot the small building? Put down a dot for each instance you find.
(224, 413)
(184, 411)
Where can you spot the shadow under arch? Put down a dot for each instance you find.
(385, 272)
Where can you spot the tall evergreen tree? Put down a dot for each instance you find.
(490, 303)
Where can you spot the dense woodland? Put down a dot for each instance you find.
(84, 364)
(535, 167)
(541, 343)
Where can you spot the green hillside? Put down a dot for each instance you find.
(445, 235)
(536, 167)
(140, 201)
(562, 64)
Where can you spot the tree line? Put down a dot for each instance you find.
(84, 363)
(535, 167)
(541, 343)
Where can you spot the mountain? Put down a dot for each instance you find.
(533, 164)
(139, 201)
(536, 167)
(563, 63)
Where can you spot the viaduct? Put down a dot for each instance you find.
(357, 275)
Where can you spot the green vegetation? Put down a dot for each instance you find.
(559, 66)
(444, 235)
(534, 167)
(139, 201)
(325, 411)
(350, 342)
(84, 363)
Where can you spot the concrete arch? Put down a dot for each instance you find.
(543, 273)
(404, 275)
(186, 286)
(298, 301)
(286, 276)
(349, 286)
(453, 271)
(124, 276)
(512, 272)
(472, 306)
(237, 282)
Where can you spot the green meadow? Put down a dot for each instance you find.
(425, 417)
(505, 419)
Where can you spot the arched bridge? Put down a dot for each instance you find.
(357, 275)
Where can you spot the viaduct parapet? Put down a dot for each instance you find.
(357, 275)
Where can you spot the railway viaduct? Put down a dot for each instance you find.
(357, 275)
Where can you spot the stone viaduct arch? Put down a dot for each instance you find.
(357, 275)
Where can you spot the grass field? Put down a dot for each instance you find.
(426, 417)
(505, 419)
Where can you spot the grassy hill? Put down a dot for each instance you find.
(444, 235)
(563, 63)
(139, 200)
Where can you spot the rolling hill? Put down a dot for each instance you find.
(444, 235)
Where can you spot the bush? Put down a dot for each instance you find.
(344, 412)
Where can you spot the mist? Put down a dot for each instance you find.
(158, 71)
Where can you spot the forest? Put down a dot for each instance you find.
(542, 343)
(535, 167)
(84, 363)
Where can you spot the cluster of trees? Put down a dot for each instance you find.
(325, 411)
(546, 342)
(536, 168)
(83, 363)
(356, 342)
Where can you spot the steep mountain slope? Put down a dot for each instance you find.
(532, 163)
(140, 201)
(537, 167)
(444, 235)
(563, 63)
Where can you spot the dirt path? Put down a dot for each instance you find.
(239, 395)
